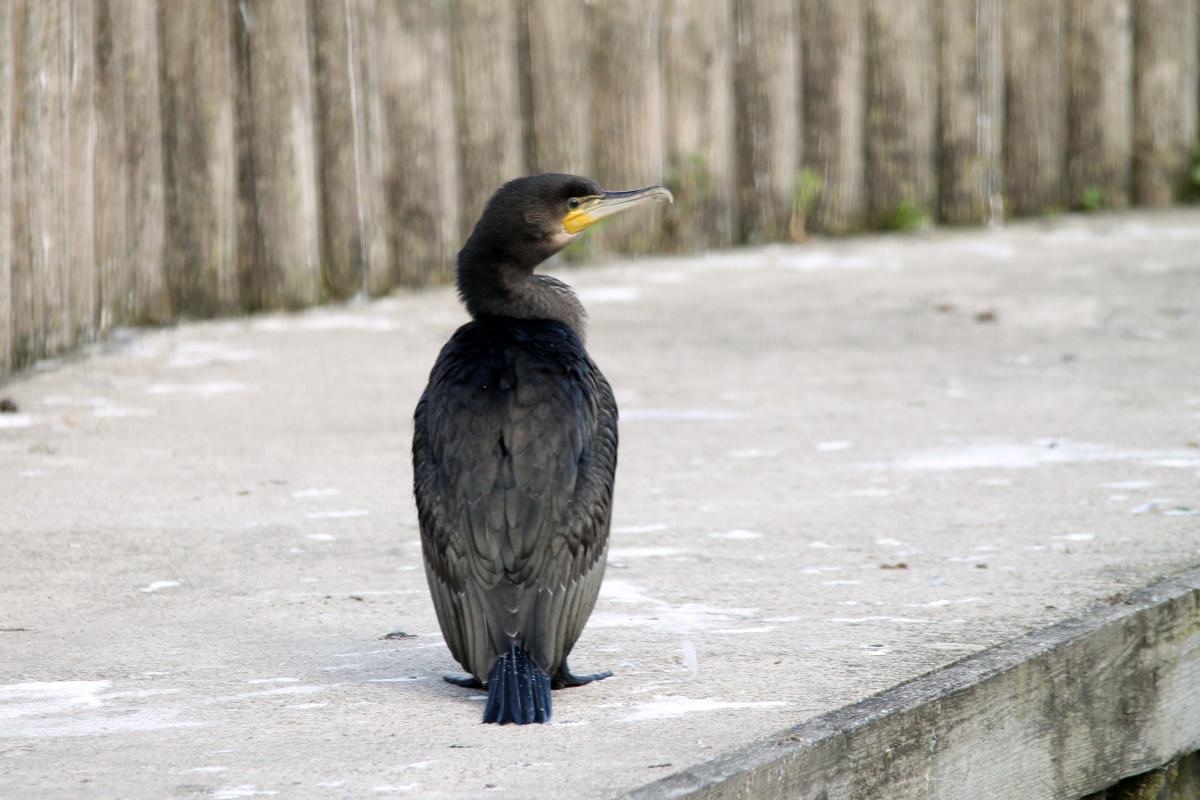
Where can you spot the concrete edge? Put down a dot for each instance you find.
(1058, 713)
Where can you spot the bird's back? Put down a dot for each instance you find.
(514, 454)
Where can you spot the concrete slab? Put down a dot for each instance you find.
(843, 466)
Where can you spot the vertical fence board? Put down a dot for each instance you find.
(1165, 54)
(901, 112)
(48, 160)
(200, 155)
(421, 176)
(22, 117)
(350, 189)
(78, 221)
(374, 146)
(1100, 105)
(697, 56)
(39, 254)
(145, 216)
(6, 112)
(488, 103)
(1035, 121)
(834, 62)
(627, 110)
(279, 249)
(338, 152)
(970, 109)
(768, 123)
(557, 76)
(113, 280)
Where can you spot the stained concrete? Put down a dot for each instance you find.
(843, 465)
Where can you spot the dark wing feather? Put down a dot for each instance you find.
(514, 453)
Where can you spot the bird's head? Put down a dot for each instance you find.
(530, 219)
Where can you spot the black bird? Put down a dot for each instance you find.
(515, 451)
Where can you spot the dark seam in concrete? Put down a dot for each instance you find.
(890, 742)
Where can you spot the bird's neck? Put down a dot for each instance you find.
(491, 287)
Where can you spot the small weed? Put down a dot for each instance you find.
(1092, 199)
(906, 217)
(691, 181)
(1194, 175)
(809, 185)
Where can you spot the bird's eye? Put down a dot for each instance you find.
(573, 203)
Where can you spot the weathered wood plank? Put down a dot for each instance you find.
(78, 219)
(6, 116)
(339, 154)
(199, 85)
(626, 115)
(351, 185)
(556, 72)
(697, 54)
(145, 217)
(114, 298)
(1165, 75)
(834, 65)
(971, 111)
(279, 238)
(39, 279)
(421, 172)
(1100, 105)
(768, 121)
(375, 147)
(1053, 715)
(1035, 121)
(487, 101)
(901, 126)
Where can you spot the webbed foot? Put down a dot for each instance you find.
(465, 681)
(565, 679)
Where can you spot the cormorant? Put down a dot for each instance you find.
(515, 450)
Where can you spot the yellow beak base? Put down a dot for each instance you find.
(593, 209)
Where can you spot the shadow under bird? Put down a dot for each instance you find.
(515, 451)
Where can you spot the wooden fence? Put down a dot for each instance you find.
(187, 158)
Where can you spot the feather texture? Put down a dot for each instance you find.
(514, 456)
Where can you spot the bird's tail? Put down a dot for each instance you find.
(518, 690)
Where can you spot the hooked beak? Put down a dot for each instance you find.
(595, 208)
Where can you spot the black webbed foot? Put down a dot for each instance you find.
(465, 681)
(564, 679)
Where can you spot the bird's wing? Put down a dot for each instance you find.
(514, 452)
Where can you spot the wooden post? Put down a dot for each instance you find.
(697, 53)
(40, 97)
(351, 185)
(421, 167)
(1035, 122)
(556, 72)
(113, 278)
(279, 243)
(6, 118)
(834, 63)
(375, 148)
(199, 83)
(137, 40)
(767, 103)
(627, 141)
(1100, 106)
(1165, 53)
(970, 100)
(901, 112)
(78, 222)
(488, 102)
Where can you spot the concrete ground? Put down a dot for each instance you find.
(842, 465)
